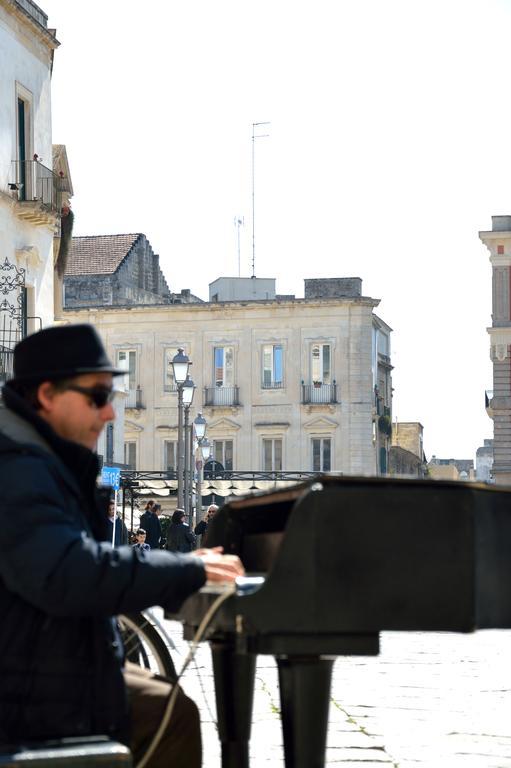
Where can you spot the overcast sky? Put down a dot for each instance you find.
(388, 150)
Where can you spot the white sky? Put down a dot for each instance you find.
(388, 151)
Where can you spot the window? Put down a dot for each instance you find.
(127, 361)
(272, 454)
(169, 384)
(130, 455)
(223, 452)
(272, 366)
(24, 150)
(321, 367)
(170, 455)
(224, 366)
(321, 454)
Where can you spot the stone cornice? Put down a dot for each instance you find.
(45, 35)
(229, 308)
(494, 235)
(500, 335)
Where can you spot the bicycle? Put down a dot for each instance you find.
(147, 642)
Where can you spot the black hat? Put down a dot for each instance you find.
(61, 351)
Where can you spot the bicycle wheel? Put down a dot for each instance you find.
(145, 646)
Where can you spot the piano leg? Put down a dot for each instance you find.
(234, 690)
(305, 698)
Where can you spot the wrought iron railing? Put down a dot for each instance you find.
(34, 11)
(36, 183)
(272, 385)
(319, 393)
(221, 396)
(141, 477)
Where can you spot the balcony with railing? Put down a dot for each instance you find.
(37, 190)
(222, 397)
(319, 393)
(134, 399)
(33, 10)
(272, 385)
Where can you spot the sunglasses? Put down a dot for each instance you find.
(98, 395)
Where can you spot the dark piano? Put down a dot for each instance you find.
(343, 560)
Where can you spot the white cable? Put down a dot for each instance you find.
(229, 590)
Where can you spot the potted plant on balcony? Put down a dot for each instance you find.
(385, 425)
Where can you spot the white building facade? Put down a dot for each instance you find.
(29, 189)
(285, 384)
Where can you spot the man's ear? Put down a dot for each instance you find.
(46, 394)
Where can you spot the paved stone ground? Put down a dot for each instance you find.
(428, 700)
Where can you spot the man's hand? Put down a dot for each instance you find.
(220, 567)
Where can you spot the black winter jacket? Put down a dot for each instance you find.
(60, 585)
(121, 532)
(180, 538)
(150, 522)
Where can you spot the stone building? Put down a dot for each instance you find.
(406, 454)
(484, 462)
(498, 400)
(115, 270)
(451, 469)
(284, 383)
(30, 190)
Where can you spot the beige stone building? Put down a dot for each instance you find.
(284, 383)
(406, 454)
(451, 469)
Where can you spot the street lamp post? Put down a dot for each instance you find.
(180, 366)
(205, 450)
(199, 429)
(188, 392)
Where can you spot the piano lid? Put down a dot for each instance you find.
(368, 554)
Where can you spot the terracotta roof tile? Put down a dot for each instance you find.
(98, 254)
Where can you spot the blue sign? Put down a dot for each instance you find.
(111, 476)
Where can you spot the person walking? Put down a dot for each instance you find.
(61, 581)
(179, 536)
(150, 522)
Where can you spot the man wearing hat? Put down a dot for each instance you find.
(61, 582)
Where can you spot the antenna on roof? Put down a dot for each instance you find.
(239, 222)
(254, 137)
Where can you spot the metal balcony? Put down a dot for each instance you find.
(134, 399)
(37, 191)
(221, 396)
(319, 393)
(272, 385)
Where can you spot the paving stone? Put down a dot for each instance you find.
(430, 700)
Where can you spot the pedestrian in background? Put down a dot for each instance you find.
(150, 522)
(179, 536)
(202, 526)
(121, 535)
